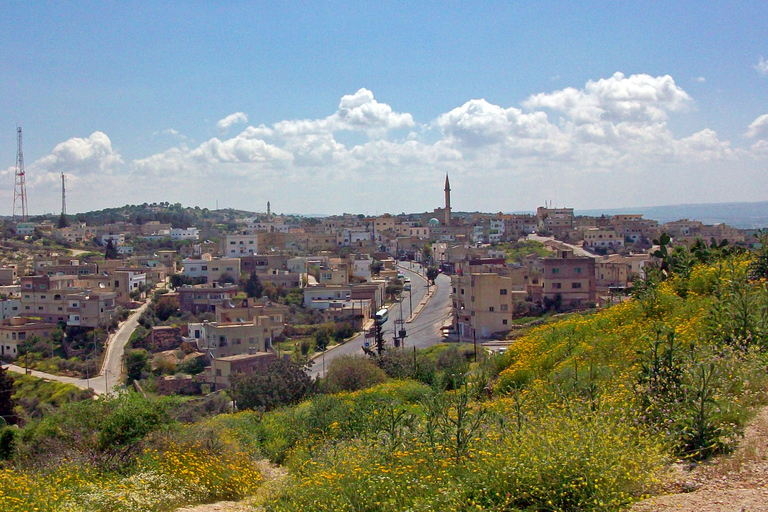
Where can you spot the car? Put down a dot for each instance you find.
(407, 280)
(407, 287)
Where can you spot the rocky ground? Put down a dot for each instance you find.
(273, 475)
(737, 482)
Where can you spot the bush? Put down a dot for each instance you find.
(281, 383)
(351, 373)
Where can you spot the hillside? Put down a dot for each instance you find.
(585, 413)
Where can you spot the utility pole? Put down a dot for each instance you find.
(379, 333)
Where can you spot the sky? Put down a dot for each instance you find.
(363, 107)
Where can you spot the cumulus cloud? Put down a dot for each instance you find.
(618, 98)
(356, 112)
(759, 128)
(610, 135)
(238, 117)
(762, 66)
(700, 79)
(82, 157)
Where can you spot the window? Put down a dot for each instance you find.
(578, 270)
(555, 270)
(557, 286)
(462, 291)
(490, 309)
(503, 291)
(504, 322)
(575, 285)
(117, 284)
(42, 296)
(505, 307)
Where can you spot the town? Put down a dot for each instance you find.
(183, 299)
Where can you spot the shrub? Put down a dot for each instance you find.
(281, 383)
(351, 373)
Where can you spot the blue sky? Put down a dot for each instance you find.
(363, 107)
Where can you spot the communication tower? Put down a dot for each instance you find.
(63, 196)
(20, 187)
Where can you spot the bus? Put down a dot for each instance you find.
(381, 316)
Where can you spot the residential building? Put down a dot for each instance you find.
(569, 280)
(223, 269)
(64, 299)
(16, 331)
(196, 268)
(184, 234)
(600, 238)
(8, 275)
(9, 308)
(239, 245)
(483, 303)
(205, 297)
(325, 293)
(221, 369)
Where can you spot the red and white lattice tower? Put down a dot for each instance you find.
(20, 189)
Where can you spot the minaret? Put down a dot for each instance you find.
(269, 210)
(447, 201)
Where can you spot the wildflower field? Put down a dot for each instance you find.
(584, 413)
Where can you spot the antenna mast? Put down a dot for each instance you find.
(20, 187)
(63, 196)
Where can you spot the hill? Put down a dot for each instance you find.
(738, 215)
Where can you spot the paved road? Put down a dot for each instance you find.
(423, 332)
(112, 367)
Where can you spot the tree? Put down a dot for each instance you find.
(136, 363)
(432, 273)
(283, 382)
(252, 286)
(111, 251)
(63, 222)
(322, 337)
(7, 403)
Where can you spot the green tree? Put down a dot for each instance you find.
(136, 363)
(322, 337)
(432, 273)
(283, 382)
(252, 286)
(7, 403)
(111, 251)
(63, 222)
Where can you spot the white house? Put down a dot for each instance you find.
(236, 246)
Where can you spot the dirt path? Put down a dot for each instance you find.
(738, 482)
(273, 477)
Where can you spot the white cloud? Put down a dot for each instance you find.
(356, 112)
(238, 117)
(700, 79)
(762, 66)
(618, 98)
(82, 157)
(608, 141)
(759, 128)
